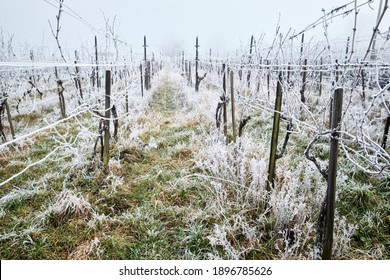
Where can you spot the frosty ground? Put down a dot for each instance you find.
(174, 189)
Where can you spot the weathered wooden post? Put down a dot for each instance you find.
(268, 78)
(97, 67)
(362, 73)
(385, 133)
(126, 75)
(142, 80)
(304, 76)
(321, 76)
(196, 65)
(248, 77)
(147, 75)
(77, 79)
(11, 126)
(145, 46)
(127, 102)
(33, 78)
(224, 101)
(107, 116)
(302, 42)
(334, 84)
(332, 172)
(346, 51)
(182, 62)
(189, 74)
(288, 75)
(275, 134)
(211, 63)
(233, 106)
(146, 67)
(186, 71)
(60, 90)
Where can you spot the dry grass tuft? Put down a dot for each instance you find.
(69, 205)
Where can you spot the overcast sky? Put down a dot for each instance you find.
(220, 24)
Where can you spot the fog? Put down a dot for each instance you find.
(173, 24)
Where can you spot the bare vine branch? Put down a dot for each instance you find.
(58, 28)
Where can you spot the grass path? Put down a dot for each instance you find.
(135, 212)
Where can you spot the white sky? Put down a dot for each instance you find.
(220, 24)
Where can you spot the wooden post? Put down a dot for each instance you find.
(146, 67)
(189, 73)
(321, 76)
(126, 75)
(186, 71)
(233, 105)
(145, 46)
(211, 63)
(346, 51)
(60, 90)
(11, 126)
(275, 134)
(301, 53)
(78, 82)
(268, 78)
(147, 75)
(2, 134)
(107, 115)
(33, 78)
(248, 77)
(92, 77)
(142, 80)
(363, 85)
(332, 172)
(304, 76)
(224, 101)
(127, 102)
(385, 133)
(182, 62)
(196, 65)
(334, 83)
(97, 67)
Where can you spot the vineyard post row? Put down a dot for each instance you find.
(335, 117)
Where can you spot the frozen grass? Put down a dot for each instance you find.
(174, 189)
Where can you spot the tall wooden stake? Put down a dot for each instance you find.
(146, 67)
(275, 134)
(78, 81)
(145, 46)
(96, 61)
(60, 90)
(107, 115)
(11, 126)
(189, 74)
(385, 133)
(301, 53)
(332, 172)
(224, 101)
(142, 80)
(248, 77)
(233, 106)
(196, 65)
(268, 78)
(321, 76)
(304, 76)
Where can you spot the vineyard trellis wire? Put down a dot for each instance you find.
(307, 76)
